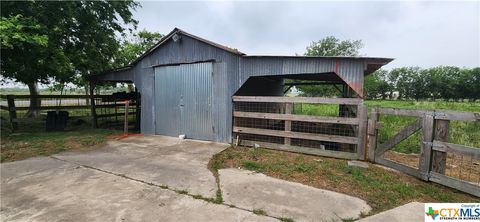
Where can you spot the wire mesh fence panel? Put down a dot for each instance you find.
(460, 165)
(323, 127)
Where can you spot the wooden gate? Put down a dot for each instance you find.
(435, 150)
(334, 127)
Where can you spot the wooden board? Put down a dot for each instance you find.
(455, 183)
(426, 148)
(402, 112)
(298, 135)
(400, 167)
(362, 131)
(461, 116)
(281, 99)
(298, 149)
(293, 117)
(372, 135)
(456, 148)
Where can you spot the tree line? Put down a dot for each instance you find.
(442, 82)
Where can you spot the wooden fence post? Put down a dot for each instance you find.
(439, 159)
(138, 112)
(288, 123)
(372, 134)
(362, 130)
(426, 146)
(12, 111)
(92, 106)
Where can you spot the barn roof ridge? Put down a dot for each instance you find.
(380, 61)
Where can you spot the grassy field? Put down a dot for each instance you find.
(382, 189)
(31, 139)
(465, 133)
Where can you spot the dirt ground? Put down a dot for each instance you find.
(458, 166)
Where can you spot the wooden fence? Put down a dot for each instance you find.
(274, 122)
(434, 148)
(98, 107)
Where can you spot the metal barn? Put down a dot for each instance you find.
(188, 86)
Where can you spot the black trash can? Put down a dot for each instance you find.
(61, 121)
(51, 119)
(56, 121)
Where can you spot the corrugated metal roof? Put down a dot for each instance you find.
(179, 31)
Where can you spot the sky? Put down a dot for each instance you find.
(423, 34)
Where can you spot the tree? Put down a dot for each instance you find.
(134, 46)
(376, 85)
(56, 41)
(329, 46)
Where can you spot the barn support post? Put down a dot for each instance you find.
(92, 105)
(439, 159)
(426, 146)
(12, 111)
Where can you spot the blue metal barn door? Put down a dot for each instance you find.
(183, 100)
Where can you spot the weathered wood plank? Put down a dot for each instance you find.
(400, 167)
(439, 159)
(298, 135)
(402, 112)
(293, 117)
(281, 99)
(456, 148)
(299, 149)
(455, 183)
(288, 123)
(461, 116)
(12, 111)
(372, 135)
(426, 148)
(362, 131)
(399, 137)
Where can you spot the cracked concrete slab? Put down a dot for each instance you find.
(46, 189)
(279, 198)
(410, 212)
(158, 159)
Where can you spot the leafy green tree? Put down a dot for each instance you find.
(45, 41)
(134, 46)
(329, 46)
(376, 85)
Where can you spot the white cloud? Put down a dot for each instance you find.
(415, 33)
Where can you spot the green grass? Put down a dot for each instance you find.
(381, 188)
(259, 212)
(32, 140)
(460, 132)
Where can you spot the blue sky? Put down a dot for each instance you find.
(421, 34)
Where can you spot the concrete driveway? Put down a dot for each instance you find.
(156, 178)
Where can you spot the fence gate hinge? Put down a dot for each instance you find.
(440, 114)
(428, 144)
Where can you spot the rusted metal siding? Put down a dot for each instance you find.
(351, 71)
(229, 72)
